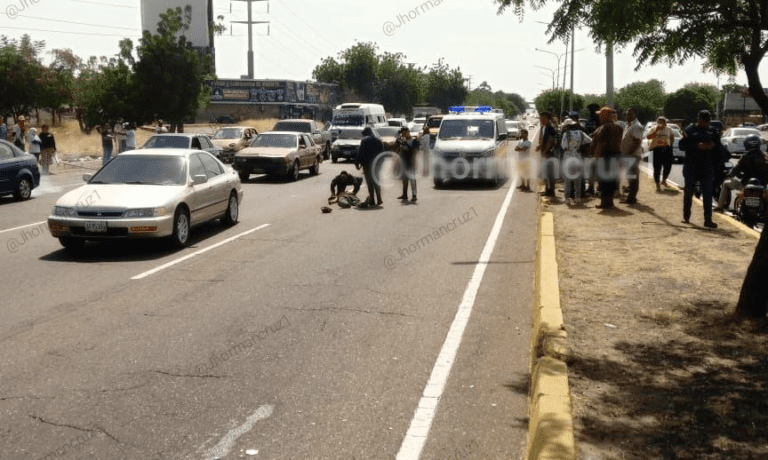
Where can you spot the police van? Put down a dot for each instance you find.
(470, 145)
(357, 116)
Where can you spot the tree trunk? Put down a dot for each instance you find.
(753, 299)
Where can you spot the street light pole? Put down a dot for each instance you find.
(558, 56)
(609, 73)
(573, 55)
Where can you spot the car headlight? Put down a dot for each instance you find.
(64, 211)
(145, 212)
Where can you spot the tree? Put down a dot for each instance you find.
(686, 103)
(550, 100)
(518, 101)
(360, 68)
(445, 86)
(589, 99)
(21, 75)
(399, 86)
(647, 98)
(726, 34)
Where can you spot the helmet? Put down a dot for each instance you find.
(752, 142)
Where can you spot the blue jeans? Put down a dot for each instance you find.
(706, 191)
(107, 146)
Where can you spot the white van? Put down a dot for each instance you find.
(357, 116)
(471, 144)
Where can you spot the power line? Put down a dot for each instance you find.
(66, 32)
(307, 24)
(71, 22)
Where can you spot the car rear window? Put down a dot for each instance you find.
(167, 142)
(292, 126)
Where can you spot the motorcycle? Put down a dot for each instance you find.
(717, 185)
(750, 204)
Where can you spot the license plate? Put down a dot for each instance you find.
(753, 201)
(96, 227)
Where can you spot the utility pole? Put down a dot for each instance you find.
(250, 23)
(573, 55)
(609, 73)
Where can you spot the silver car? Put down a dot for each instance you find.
(148, 193)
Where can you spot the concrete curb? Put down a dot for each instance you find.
(728, 219)
(550, 414)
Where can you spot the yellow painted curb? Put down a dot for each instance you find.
(550, 415)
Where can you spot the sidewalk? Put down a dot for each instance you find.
(657, 371)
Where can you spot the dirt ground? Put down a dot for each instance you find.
(658, 371)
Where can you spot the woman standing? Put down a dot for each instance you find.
(662, 139)
(130, 137)
(48, 149)
(106, 142)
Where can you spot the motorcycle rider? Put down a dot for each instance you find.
(754, 164)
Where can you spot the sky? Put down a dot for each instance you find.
(468, 34)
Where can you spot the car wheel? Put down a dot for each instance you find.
(244, 175)
(23, 190)
(71, 243)
(334, 159)
(293, 175)
(438, 183)
(181, 228)
(233, 211)
(315, 168)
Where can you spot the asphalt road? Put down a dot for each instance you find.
(302, 335)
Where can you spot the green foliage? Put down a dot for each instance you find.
(482, 95)
(518, 101)
(686, 102)
(21, 75)
(445, 86)
(550, 100)
(647, 98)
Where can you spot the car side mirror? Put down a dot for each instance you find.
(199, 179)
(503, 136)
(87, 177)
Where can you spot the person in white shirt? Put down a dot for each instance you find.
(34, 144)
(574, 138)
(119, 131)
(425, 150)
(523, 150)
(130, 137)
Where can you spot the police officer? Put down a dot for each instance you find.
(701, 144)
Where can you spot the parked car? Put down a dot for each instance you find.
(417, 125)
(232, 139)
(322, 137)
(433, 123)
(513, 129)
(148, 193)
(19, 173)
(397, 122)
(762, 127)
(346, 145)
(281, 153)
(747, 125)
(678, 155)
(388, 136)
(183, 141)
(733, 140)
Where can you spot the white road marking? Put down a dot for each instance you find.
(418, 432)
(23, 226)
(221, 449)
(197, 253)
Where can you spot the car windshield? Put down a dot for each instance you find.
(228, 133)
(348, 120)
(285, 141)
(394, 123)
(292, 126)
(144, 170)
(434, 122)
(167, 142)
(392, 132)
(351, 134)
(466, 129)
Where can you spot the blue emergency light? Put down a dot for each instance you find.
(461, 109)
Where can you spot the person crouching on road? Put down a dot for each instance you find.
(340, 183)
(408, 150)
(523, 149)
(47, 149)
(606, 148)
(369, 157)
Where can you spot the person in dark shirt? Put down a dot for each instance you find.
(753, 165)
(546, 145)
(701, 144)
(370, 157)
(409, 148)
(606, 149)
(593, 121)
(340, 183)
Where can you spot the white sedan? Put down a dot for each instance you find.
(733, 139)
(148, 193)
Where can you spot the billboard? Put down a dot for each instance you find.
(196, 15)
(273, 91)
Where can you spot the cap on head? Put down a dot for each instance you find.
(21, 118)
(606, 114)
(405, 129)
(574, 116)
(569, 122)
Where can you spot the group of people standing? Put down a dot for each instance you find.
(116, 138)
(370, 159)
(42, 146)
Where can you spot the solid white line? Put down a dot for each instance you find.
(197, 253)
(221, 449)
(417, 433)
(23, 226)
